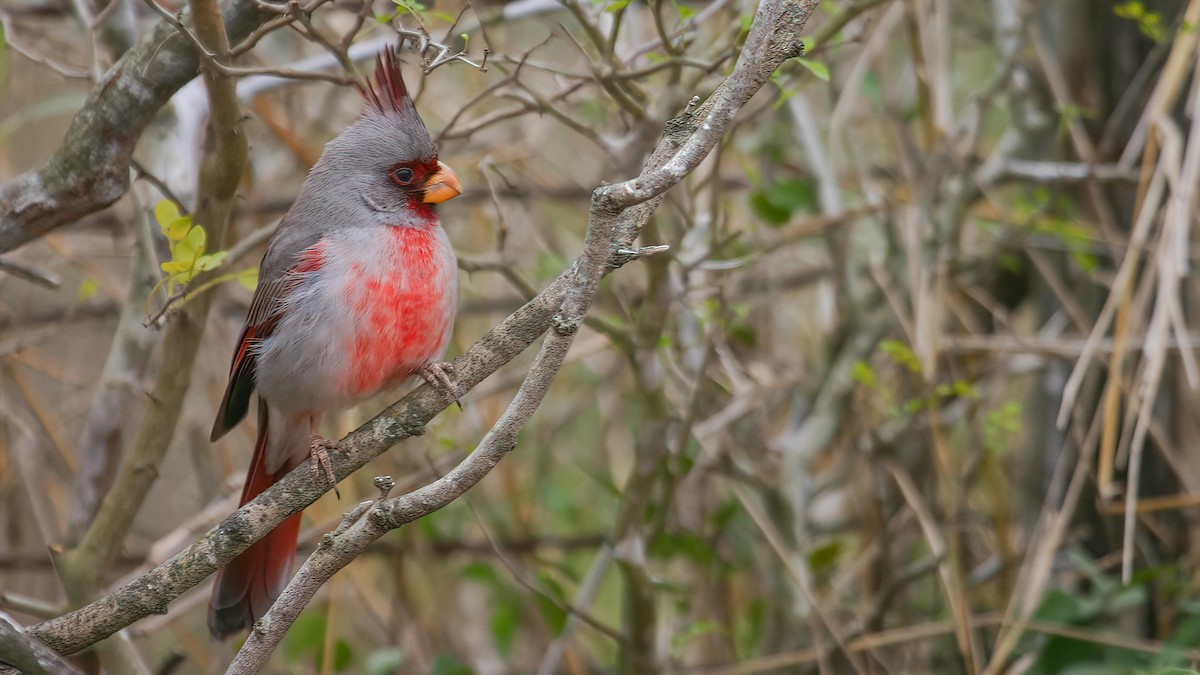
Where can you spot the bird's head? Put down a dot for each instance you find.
(387, 157)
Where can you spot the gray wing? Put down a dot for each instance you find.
(293, 250)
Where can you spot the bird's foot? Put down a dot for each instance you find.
(440, 376)
(319, 451)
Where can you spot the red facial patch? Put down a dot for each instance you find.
(410, 178)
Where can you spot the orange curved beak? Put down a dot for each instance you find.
(442, 186)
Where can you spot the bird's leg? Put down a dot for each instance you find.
(319, 450)
(440, 376)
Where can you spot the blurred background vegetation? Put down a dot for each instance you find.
(914, 390)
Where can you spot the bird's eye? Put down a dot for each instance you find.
(403, 175)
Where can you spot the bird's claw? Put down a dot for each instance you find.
(440, 376)
(319, 450)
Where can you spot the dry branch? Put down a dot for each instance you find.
(83, 569)
(616, 216)
(26, 655)
(90, 169)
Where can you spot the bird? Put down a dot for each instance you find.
(357, 292)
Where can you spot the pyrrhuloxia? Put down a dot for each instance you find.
(357, 291)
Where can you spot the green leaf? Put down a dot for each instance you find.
(87, 289)
(552, 611)
(197, 238)
(173, 224)
(820, 70)
(174, 267)
(166, 212)
(1126, 599)
(482, 572)
(683, 544)
(1065, 655)
(616, 6)
(410, 6)
(1001, 425)
(445, 664)
(343, 655)
(177, 229)
(1059, 607)
(306, 635)
(183, 252)
(248, 278)
(825, 557)
(210, 261)
(777, 202)
(695, 630)
(864, 374)
(793, 195)
(556, 616)
(506, 617)
(901, 354)
(772, 214)
(965, 389)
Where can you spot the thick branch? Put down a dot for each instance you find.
(338, 550)
(773, 38)
(27, 655)
(151, 593)
(83, 568)
(90, 169)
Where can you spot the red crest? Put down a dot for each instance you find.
(387, 92)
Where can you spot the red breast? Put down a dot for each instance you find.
(402, 317)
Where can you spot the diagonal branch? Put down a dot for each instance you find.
(27, 655)
(90, 169)
(600, 244)
(83, 568)
(616, 216)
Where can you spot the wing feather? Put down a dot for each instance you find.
(279, 273)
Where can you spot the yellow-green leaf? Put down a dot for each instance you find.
(184, 252)
(816, 68)
(165, 212)
(177, 229)
(210, 261)
(248, 278)
(173, 267)
(87, 288)
(197, 238)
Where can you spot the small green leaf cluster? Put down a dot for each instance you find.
(188, 243)
(418, 11)
(1050, 214)
(1074, 628)
(508, 603)
(775, 203)
(413, 7)
(1042, 212)
(1001, 425)
(306, 642)
(917, 396)
(1148, 21)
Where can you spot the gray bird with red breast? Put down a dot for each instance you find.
(357, 291)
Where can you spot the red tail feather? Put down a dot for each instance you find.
(245, 588)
